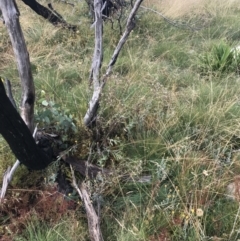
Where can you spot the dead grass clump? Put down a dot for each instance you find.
(48, 206)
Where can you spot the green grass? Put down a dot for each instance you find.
(40, 231)
(169, 111)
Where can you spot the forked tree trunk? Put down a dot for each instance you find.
(11, 18)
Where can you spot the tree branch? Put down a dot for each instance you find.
(93, 220)
(9, 93)
(91, 113)
(129, 27)
(96, 65)
(51, 15)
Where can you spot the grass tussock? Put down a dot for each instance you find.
(169, 119)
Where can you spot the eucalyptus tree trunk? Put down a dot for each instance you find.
(11, 18)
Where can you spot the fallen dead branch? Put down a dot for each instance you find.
(93, 220)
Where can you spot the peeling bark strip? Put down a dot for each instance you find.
(19, 138)
(91, 113)
(11, 18)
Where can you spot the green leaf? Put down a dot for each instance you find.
(45, 103)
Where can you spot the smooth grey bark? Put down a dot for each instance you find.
(11, 18)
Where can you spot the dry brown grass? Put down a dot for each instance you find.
(176, 8)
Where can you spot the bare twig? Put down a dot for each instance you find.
(174, 23)
(119, 20)
(93, 220)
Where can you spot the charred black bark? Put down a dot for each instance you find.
(110, 6)
(51, 15)
(16, 133)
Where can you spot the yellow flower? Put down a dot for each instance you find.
(199, 212)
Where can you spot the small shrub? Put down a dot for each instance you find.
(52, 115)
(222, 59)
